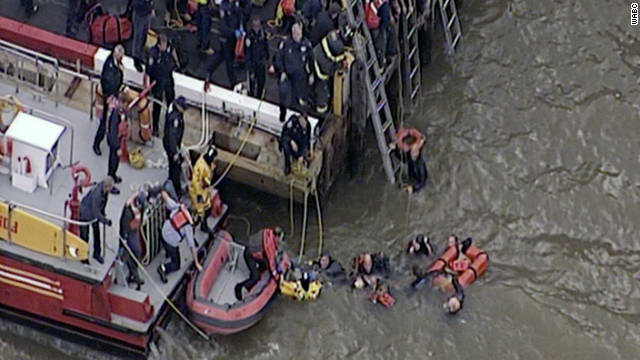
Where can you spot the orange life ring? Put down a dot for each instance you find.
(144, 113)
(402, 134)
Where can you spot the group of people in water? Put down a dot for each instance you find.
(373, 271)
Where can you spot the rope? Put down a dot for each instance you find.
(155, 286)
(291, 220)
(244, 141)
(304, 225)
(320, 234)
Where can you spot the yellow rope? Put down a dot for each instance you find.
(291, 220)
(244, 141)
(155, 286)
(304, 224)
(320, 234)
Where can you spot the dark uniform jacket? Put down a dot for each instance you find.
(125, 221)
(292, 130)
(112, 135)
(231, 16)
(161, 64)
(111, 77)
(295, 58)
(142, 7)
(173, 132)
(93, 204)
(321, 28)
(256, 48)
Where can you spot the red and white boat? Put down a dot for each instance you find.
(211, 298)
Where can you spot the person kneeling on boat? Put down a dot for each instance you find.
(420, 245)
(408, 147)
(177, 227)
(200, 187)
(295, 140)
(256, 266)
(130, 221)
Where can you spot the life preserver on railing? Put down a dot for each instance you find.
(403, 134)
(78, 169)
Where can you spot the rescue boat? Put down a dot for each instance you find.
(467, 267)
(211, 298)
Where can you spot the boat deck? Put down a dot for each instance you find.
(60, 184)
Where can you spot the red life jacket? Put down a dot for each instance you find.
(179, 219)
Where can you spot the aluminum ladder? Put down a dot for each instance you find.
(411, 55)
(450, 21)
(377, 103)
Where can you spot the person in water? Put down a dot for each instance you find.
(420, 245)
(328, 269)
(368, 268)
(413, 157)
(454, 302)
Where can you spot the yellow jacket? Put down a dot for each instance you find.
(200, 186)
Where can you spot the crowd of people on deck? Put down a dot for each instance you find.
(311, 50)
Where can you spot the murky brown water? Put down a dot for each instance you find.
(533, 151)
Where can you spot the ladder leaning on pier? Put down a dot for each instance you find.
(450, 21)
(412, 81)
(377, 102)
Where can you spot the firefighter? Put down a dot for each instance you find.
(75, 13)
(130, 221)
(29, 7)
(231, 17)
(92, 208)
(324, 22)
(177, 227)
(203, 24)
(329, 57)
(111, 83)
(163, 59)
(172, 141)
(142, 13)
(294, 66)
(116, 116)
(257, 51)
(295, 140)
(200, 186)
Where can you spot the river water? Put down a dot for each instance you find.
(533, 151)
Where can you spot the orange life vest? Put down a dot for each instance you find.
(179, 219)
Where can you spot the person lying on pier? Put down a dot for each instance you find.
(130, 221)
(177, 227)
(92, 208)
(420, 245)
(410, 151)
(294, 140)
(201, 185)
